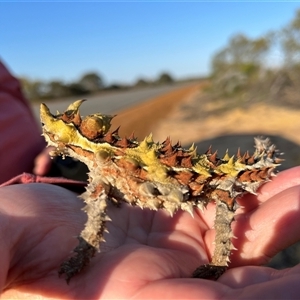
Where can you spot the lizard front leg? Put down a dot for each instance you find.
(92, 234)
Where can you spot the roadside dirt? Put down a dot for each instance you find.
(235, 128)
(145, 117)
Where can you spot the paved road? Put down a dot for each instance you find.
(112, 102)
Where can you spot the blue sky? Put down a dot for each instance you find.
(124, 41)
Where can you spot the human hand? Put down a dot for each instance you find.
(151, 255)
(43, 162)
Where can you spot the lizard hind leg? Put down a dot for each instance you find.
(90, 237)
(223, 244)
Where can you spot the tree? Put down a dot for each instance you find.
(290, 41)
(33, 89)
(76, 88)
(165, 78)
(92, 82)
(241, 55)
(239, 63)
(56, 89)
(141, 82)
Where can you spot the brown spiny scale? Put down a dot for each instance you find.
(245, 176)
(196, 188)
(223, 196)
(251, 160)
(72, 117)
(242, 159)
(77, 119)
(132, 138)
(131, 142)
(184, 159)
(245, 157)
(264, 173)
(179, 153)
(213, 158)
(186, 162)
(200, 178)
(177, 145)
(183, 177)
(254, 175)
(123, 143)
(109, 138)
(170, 160)
(154, 176)
(209, 150)
(167, 147)
(259, 175)
(116, 131)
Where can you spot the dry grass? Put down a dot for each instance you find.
(199, 121)
(265, 119)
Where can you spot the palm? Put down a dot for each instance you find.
(142, 246)
(149, 253)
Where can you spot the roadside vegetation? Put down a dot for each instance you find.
(87, 84)
(263, 69)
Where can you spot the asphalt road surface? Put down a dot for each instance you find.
(111, 102)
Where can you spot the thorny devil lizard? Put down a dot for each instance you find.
(153, 175)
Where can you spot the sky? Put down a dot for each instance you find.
(126, 40)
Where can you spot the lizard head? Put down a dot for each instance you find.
(66, 125)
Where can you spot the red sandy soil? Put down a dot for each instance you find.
(143, 118)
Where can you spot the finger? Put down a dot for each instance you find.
(279, 183)
(182, 289)
(262, 283)
(43, 162)
(269, 229)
